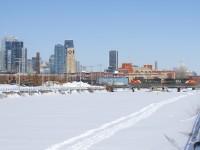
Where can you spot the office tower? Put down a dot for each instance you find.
(70, 56)
(3, 50)
(113, 61)
(59, 59)
(37, 63)
(51, 64)
(34, 63)
(24, 60)
(13, 54)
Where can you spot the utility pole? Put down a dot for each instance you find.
(19, 61)
(66, 76)
(49, 76)
(91, 73)
(43, 77)
(19, 72)
(42, 67)
(100, 69)
(80, 71)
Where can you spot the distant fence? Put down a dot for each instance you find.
(43, 89)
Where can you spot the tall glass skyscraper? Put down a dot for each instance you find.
(4, 52)
(13, 54)
(113, 60)
(59, 59)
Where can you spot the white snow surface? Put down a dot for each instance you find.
(120, 120)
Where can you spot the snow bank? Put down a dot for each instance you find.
(68, 84)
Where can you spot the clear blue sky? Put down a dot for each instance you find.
(143, 31)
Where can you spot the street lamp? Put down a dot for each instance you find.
(91, 73)
(100, 69)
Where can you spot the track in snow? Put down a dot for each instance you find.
(91, 137)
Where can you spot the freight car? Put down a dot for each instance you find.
(157, 82)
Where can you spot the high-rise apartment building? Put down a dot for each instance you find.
(24, 60)
(59, 59)
(70, 56)
(113, 61)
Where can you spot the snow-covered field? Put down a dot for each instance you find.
(121, 120)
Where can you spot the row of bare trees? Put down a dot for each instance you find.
(32, 80)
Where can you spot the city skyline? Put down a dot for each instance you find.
(62, 58)
(143, 32)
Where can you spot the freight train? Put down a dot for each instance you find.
(147, 83)
(169, 82)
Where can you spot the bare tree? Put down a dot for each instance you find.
(181, 71)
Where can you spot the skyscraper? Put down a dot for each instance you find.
(13, 54)
(8, 62)
(37, 69)
(113, 61)
(70, 56)
(24, 60)
(33, 63)
(59, 59)
(3, 50)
